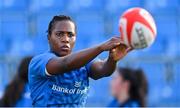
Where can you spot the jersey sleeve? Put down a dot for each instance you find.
(88, 66)
(38, 64)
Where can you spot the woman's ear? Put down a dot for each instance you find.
(127, 85)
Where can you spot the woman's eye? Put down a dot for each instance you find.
(59, 34)
(71, 34)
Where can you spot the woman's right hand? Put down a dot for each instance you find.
(111, 43)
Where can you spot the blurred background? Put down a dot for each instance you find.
(23, 25)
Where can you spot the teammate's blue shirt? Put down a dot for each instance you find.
(25, 100)
(68, 89)
(129, 103)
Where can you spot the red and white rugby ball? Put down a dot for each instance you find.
(137, 28)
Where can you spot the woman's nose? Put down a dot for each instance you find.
(65, 38)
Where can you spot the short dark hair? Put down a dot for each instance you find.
(58, 18)
(138, 83)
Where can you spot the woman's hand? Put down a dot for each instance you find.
(110, 44)
(119, 52)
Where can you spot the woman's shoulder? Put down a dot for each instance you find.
(114, 103)
(131, 103)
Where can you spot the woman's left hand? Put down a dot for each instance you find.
(119, 52)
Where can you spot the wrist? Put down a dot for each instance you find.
(100, 48)
(111, 59)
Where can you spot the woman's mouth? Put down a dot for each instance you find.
(65, 48)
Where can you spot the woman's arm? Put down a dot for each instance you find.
(105, 68)
(76, 60)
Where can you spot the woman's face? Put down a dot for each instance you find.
(118, 85)
(62, 38)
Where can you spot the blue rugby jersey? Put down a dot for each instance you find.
(68, 89)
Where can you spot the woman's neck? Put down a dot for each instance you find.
(123, 97)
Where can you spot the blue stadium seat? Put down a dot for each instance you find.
(1, 77)
(97, 96)
(16, 48)
(114, 6)
(167, 25)
(0, 5)
(4, 77)
(40, 44)
(28, 47)
(90, 29)
(3, 48)
(167, 28)
(178, 40)
(85, 5)
(170, 96)
(14, 26)
(153, 71)
(5, 45)
(22, 47)
(178, 47)
(14, 5)
(38, 6)
(161, 90)
(80, 44)
(90, 24)
(114, 21)
(176, 85)
(162, 6)
(173, 48)
(42, 24)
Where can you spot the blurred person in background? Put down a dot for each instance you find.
(16, 93)
(129, 88)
